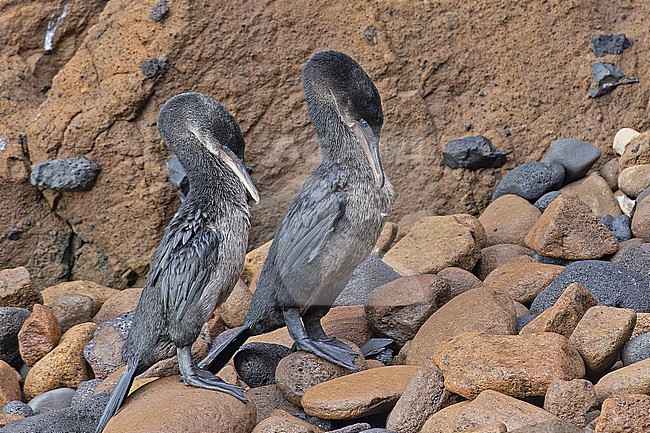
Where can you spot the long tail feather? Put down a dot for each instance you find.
(117, 397)
(221, 353)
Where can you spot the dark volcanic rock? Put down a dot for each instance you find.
(636, 258)
(159, 11)
(66, 174)
(473, 153)
(17, 407)
(177, 177)
(11, 320)
(531, 180)
(85, 391)
(620, 226)
(576, 156)
(609, 44)
(545, 200)
(154, 68)
(637, 349)
(371, 273)
(256, 362)
(612, 285)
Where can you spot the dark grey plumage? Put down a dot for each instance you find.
(333, 222)
(200, 256)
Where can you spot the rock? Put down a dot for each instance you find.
(386, 238)
(520, 309)
(359, 427)
(522, 280)
(347, 322)
(460, 280)
(611, 284)
(625, 413)
(609, 172)
(576, 156)
(507, 220)
(563, 316)
(424, 395)
(633, 379)
(66, 174)
(635, 258)
(234, 309)
(64, 366)
(85, 391)
(154, 67)
(9, 384)
(623, 138)
(620, 226)
(572, 188)
(104, 351)
(282, 421)
(479, 310)
(253, 264)
(633, 180)
(269, 398)
(637, 152)
(298, 372)
(600, 335)
(626, 204)
(55, 399)
(568, 229)
(17, 407)
(159, 12)
(641, 220)
(398, 309)
(494, 427)
(17, 289)
(607, 76)
(176, 174)
(256, 362)
(122, 302)
(473, 153)
(371, 273)
(516, 365)
(436, 243)
(609, 44)
(543, 202)
(636, 349)
(597, 194)
(39, 334)
(358, 394)
(11, 320)
(531, 180)
(642, 196)
(6, 419)
(642, 324)
(154, 408)
(407, 222)
(497, 255)
(570, 400)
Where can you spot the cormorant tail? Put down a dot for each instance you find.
(117, 396)
(221, 353)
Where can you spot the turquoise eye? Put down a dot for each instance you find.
(364, 123)
(226, 148)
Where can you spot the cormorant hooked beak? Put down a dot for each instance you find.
(370, 145)
(238, 166)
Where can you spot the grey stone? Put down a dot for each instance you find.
(177, 177)
(78, 419)
(371, 273)
(637, 349)
(551, 260)
(256, 362)
(620, 226)
(55, 399)
(105, 362)
(325, 424)
(11, 320)
(378, 430)
(159, 11)
(576, 156)
(606, 73)
(154, 68)
(523, 321)
(85, 391)
(353, 428)
(609, 44)
(612, 284)
(66, 174)
(531, 180)
(636, 258)
(17, 407)
(473, 153)
(543, 202)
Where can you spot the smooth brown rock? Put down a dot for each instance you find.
(609, 172)
(497, 255)
(507, 220)
(633, 379)
(167, 405)
(17, 289)
(347, 322)
(642, 324)
(406, 222)
(459, 280)
(637, 152)
(633, 180)
(234, 309)
(267, 399)
(253, 264)
(520, 309)
(436, 243)
(282, 421)
(641, 220)
(64, 366)
(9, 384)
(39, 334)
(516, 365)
(493, 427)
(600, 335)
(424, 395)
(572, 188)
(563, 316)
(598, 195)
(479, 310)
(386, 238)
(568, 229)
(75, 302)
(122, 302)
(522, 280)
(279, 336)
(629, 413)
(570, 400)
(398, 309)
(358, 394)
(478, 231)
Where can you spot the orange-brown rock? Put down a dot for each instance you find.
(570, 400)
(17, 289)
(563, 316)
(641, 219)
(9, 384)
(609, 172)
(347, 322)
(633, 180)
(497, 255)
(597, 194)
(479, 310)
(637, 152)
(629, 413)
(253, 264)
(516, 365)
(568, 229)
(39, 334)
(386, 238)
(522, 280)
(6, 418)
(282, 421)
(459, 280)
(96, 292)
(493, 427)
(435, 243)
(358, 394)
(507, 220)
(267, 399)
(121, 302)
(632, 379)
(642, 324)
(170, 406)
(234, 309)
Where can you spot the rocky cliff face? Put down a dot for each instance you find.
(518, 73)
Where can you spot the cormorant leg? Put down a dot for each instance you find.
(326, 349)
(314, 328)
(195, 376)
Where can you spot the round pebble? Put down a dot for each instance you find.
(531, 180)
(620, 226)
(256, 362)
(52, 400)
(576, 156)
(636, 349)
(11, 320)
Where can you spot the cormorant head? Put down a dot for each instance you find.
(339, 93)
(195, 126)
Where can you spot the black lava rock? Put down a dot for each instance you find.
(85, 391)
(531, 180)
(473, 153)
(11, 320)
(612, 284)
(159, 11)
(609, 44)
(154, 68)
(256, 362)
(543, 202)
(17, 407)
(636, 258)
(636, 349)
(325, 424)
(576, 156)
(177, 177)
(523, 321)
(371, 273)
(620, 226)
(551, 260)
(66, 174)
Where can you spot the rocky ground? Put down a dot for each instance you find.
(533, 317)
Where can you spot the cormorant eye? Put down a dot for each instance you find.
(226, 148)
(364, 123)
